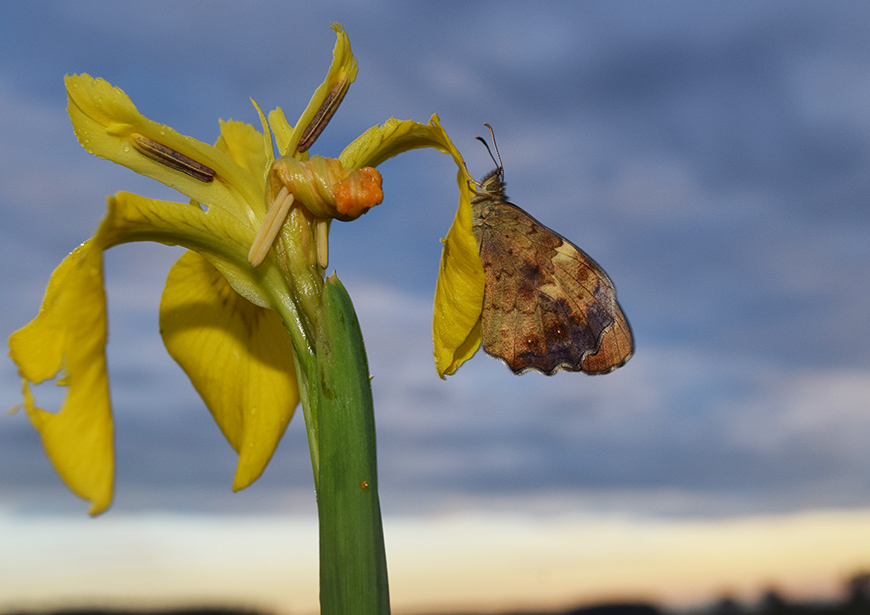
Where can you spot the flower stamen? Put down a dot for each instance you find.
(324, 113)
(271, 226)
(169, 157)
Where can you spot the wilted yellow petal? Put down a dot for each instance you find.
(67, 340)
(238, 356)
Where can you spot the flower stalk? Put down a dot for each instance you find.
(353, 565)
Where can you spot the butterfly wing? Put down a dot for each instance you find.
(547, 304)
(615, 348)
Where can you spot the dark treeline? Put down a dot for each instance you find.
(855, 601)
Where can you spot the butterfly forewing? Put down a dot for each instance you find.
(547, 304)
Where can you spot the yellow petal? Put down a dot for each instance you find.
(283, 131)
(108, 125)
(380, 143)
(68, 339)
(459, 291)
(238, 356)
(217, 235)
(326, 98)
(245, 145)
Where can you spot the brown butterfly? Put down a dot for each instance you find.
(546, 304)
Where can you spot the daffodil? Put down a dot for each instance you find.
(241, 325)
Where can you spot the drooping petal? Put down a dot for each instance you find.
(67, 341)
(238, 356)
(382, 142)
(108, 125)
(459, 290)
(218, 236)
(68, 336)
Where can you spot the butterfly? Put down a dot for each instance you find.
(546, 305)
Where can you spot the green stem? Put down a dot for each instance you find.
(306, 373)
(353, 568)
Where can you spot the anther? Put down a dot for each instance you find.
(324, 113)
(271, 226)
(169, 157)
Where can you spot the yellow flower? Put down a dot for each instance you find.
(240, 308)
(235, 328)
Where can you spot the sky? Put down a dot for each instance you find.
(711, 157)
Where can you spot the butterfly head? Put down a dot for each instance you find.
(492, 185)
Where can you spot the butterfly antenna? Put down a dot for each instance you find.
(497, 158)
(494, 144)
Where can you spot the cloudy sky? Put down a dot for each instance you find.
(713, 158)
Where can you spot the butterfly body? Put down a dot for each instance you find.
(547, 304)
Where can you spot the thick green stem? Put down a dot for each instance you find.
(353, 567)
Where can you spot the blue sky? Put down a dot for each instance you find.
(713, 158)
